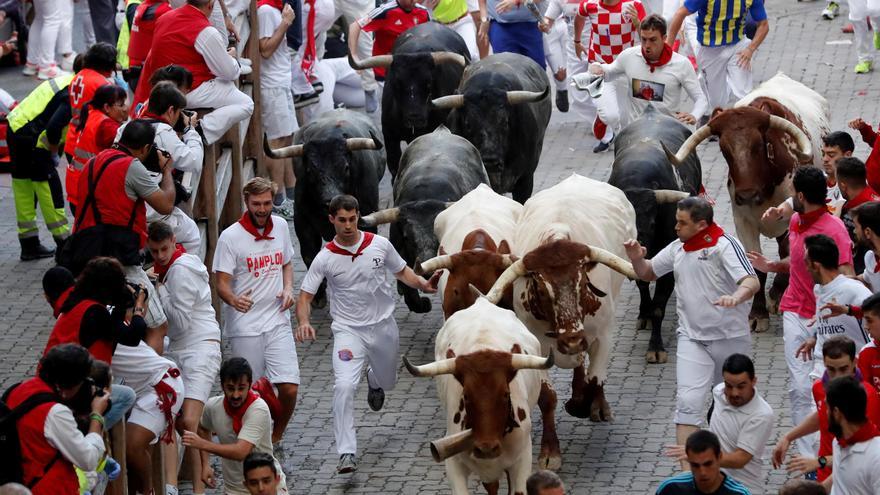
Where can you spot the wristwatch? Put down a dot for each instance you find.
(823, 461)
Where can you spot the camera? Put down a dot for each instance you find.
(180, 125)
(151, 162)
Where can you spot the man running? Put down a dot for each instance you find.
(357, 266)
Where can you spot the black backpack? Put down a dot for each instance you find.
(10, 449)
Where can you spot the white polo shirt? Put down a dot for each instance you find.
(748, 428)
(857, 468)
(360, 289)
(870, 276)
(255, 266)
(843, 290)
(701, 277)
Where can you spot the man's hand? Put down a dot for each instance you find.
(857, 123)
(208, 476)
(634, 250)
(505, 5)
(760, 262)
(287, 300)
(744, 58)
(802, 464)
(685, 118)
(483, 31)
(304, 332)
(833, 309)
(191, 439)
(676, 452)
(430, 286)
(100, 404)
(727, 301)
(232, 52)
(805, 351)
(546, 25)
(631, 12)
(579, 50)
(778, 455)
(287, 15)
(773, 214)
(243, 303)
(164, 161)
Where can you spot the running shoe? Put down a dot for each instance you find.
(347, 464)
(284, 210)
(863, 67)
(831, 11)
(376, 398)
(29, 70)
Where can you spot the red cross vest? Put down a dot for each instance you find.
(86, 145)
(66, 331)
(82, 89)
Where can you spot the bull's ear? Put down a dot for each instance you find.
(516, 349)
(504, 247)
(450, 353)
(716, 112)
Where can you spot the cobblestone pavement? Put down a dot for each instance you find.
(623, 456)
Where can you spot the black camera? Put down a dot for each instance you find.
(180, 125)
(151, 162)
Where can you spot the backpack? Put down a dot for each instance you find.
(10, 449)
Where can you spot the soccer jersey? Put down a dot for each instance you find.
(869, 363)
(360, 286)
(255, 266)
(722, 22)
(387, 22)
(701, 277)
(612, 30)
(139, 367)
(842, 290)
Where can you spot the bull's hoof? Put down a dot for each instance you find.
(656, 357)
(642, 324)
(600, 410)
(759, 325)
(579, 408)
(550, 460)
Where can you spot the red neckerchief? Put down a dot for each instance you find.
(866, 195)
(249, 226)
(806, 220)
(310, 54)
(147, 115)
(333, 248)
(271, 3)
(161, 269)
(56, 308)
(237, 413)
(705, 238)
(665, 57)
(865, 433)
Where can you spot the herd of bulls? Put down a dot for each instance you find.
(531, 282)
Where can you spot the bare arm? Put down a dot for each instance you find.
(760, 34)
(736, 459)
(234, 451)
(304, 329)
(354, 32)
(675, 24)
(748, 286)
(286, 295)
(242, 303)
(270, 44)
(807, 426)
(409, 277)
(636, 253)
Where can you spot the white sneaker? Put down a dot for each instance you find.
(285, 209)
(29, 70)
(67, 62)
(50, 72)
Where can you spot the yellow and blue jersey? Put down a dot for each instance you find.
(721, 22)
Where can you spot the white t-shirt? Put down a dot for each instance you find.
(870, 276)
(361, 290)
(664, 88)
(139, 367)
(255, 266)
(748, 428)
(701, 277)
(844, 290)
(186, 298)
(274, 71)
(855, 468)
(256, 429)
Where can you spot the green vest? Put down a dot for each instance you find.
(124, 36)
(34, 103)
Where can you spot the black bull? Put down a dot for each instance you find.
(436, 169)
(642, 171)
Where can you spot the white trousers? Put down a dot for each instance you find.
(466, 28)
(376, 346)
(697, 369)
(554, 52)
(230, 105)
(351, 11)
(795, 332)
(84, 34)
(725, 80)
(342, 86)
(580, 102)
(863, 38)
(52, 27)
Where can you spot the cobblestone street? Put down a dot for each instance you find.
(619, 457)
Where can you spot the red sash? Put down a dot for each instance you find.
(310, 56)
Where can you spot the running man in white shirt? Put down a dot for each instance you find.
(360, 269)
(866, 219)
(742, 420)
(253, 264)
(714, 285)
(857, 439)
(832, 287)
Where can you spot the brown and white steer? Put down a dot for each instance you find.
(564, 287)
(768, 134)
(475, 234)
(490, 375)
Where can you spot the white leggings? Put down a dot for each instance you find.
(52, 27)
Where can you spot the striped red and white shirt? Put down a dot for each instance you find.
(612, 29)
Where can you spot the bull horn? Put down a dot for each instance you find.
(524, 362)
(517, 97)
(370, 62)
(688, 146)
(662, 196)
(388, 215)
(286, 152)
(443, 367)
(612, 261)
(437, 263)
(448, 58)
(358, 144)
(451, 445)
(448, 102)
(516, 270)
(805, 148)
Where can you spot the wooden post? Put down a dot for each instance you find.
(233, 206)
(253, 145)
(157, 458)
(117, 451)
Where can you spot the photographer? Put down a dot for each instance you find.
(50, 442)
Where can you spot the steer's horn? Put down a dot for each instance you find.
(517, 97)
(451, 445)
(516, 270)
(388, 215)
(662, 196)
(612, 261)
(357, 144)
(448, 102)
(805, 149)
(448, 58)
(688, 146)
(524, 362)
(443, 367)
(369, 62)
(286, 152)
(437, 263)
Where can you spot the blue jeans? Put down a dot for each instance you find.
(523, 38)
(122, 400)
